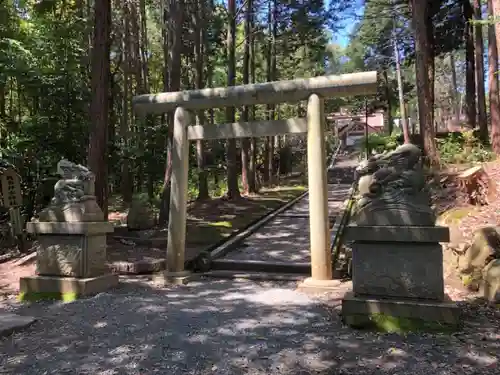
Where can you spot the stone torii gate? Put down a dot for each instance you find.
(315, 90)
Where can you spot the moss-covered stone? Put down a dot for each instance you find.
(455, 214)
(43, 296)
(394, 324)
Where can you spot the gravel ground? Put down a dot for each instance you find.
(231, 328)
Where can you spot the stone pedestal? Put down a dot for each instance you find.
(86, 210)
(398, 277)
(71, 260)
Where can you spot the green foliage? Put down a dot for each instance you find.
(457, 148)
(381, 142)
(463, 149)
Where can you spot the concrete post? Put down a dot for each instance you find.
(321, 259)
(176, 246)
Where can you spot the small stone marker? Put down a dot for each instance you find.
(397, 258)
(10, 323)
(140, 215)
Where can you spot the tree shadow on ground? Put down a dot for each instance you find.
(283, 239)
(230, 327)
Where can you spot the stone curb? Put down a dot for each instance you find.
(137, 268)
(261, 276)
(338, 227)
(301, 268)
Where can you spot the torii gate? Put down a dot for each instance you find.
(315, 90)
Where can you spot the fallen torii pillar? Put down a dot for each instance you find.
(314, 90)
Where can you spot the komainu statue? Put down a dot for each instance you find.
(392, 190)
(74, 196)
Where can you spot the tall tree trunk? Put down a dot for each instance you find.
(275, 112)
(454, 89)
(481, 96)
(252, 165)
(271, 70)
(470, 70)
(126, 183)
(431, 66)
(402, 106)
(199, 42)
(388, 101)
(233, 191)
(493, 79)
(173, 79)
(245, 142)
(495, 12)
(98, 140)
(424, 52)
(144, 45)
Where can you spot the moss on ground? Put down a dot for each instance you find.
(455, 214)
(43, 296)
(394, 324)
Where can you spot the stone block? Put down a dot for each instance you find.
(399, 315)
(64, 288)
(86, 228)
(398, 269)
(140, 215)
(397, 234)
(10, 323)
(379, 214)
(313, 286)
(71, 249)
(166, 278)
(490, 288)
(138, 267)
(86, 210)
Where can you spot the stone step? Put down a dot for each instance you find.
(269, 276)
(301, 268)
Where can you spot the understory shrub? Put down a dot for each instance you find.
(463, 148)
(379, 143)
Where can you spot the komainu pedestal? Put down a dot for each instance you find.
(71, 241)
(397, 258)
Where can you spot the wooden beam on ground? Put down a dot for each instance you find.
(364, 83)
(253, 129)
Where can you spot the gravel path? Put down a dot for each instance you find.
(231, 328)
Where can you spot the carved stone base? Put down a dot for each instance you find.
(85, 211)
(397, 262)
(384, 213)
(399, 314)
(71, 249)
(63, 288)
